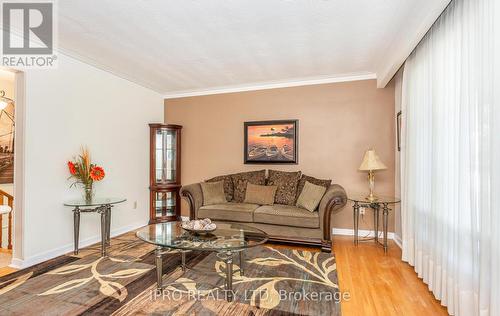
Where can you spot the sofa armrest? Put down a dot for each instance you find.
(194, 196)
(334, 199)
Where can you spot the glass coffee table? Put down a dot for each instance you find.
(227, 240)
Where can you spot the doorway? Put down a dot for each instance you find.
(7, 152)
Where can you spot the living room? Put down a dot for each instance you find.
(250, 157)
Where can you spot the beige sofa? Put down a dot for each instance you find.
(283, 223)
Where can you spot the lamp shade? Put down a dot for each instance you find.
(371, 161)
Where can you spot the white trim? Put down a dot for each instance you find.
(361, 233)
(21, 264)
(403, 45)
(91, 62)
(398, 241)
(16, 264)
(271, 85)
(350, 232)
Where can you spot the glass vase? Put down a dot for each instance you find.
(88, 193)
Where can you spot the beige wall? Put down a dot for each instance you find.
(337, 123)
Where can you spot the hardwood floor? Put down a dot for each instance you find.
(379, 284)
(5, 258)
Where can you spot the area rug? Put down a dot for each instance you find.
(276, 282)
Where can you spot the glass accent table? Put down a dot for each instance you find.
(96, 205)
(383, 202)
(226, 240)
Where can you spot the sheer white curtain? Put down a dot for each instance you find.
(450, 158)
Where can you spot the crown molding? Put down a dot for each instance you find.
(99, 66)
(271, 85)
(90, 62)
(408, 38)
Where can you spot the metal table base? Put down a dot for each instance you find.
(376, 216)
(226, 256)
(105, 212)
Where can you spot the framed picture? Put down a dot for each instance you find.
(271, 142)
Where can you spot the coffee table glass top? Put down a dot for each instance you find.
(356, 197)
(227, 236)
(97, 201)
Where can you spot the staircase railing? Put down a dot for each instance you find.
(10, 201)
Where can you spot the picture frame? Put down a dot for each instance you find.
(271, 142)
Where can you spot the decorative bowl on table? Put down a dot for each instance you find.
(199, 226)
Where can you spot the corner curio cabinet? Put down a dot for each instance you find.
(165, 172)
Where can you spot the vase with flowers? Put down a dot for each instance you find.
(84, 173)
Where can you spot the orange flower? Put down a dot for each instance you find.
(96, 173)
(72, 168)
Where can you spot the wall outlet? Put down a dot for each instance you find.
(362, 210)
(135, 205)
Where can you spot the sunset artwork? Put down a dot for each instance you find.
(271, 142)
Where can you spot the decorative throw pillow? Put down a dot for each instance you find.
(287, 186)
(304, 178)
(260, 194)
(311, 196)
(240, 181)
(228, 185)
(213, 193)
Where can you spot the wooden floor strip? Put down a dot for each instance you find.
(380, 284)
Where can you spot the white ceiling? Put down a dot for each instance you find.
(188, 47)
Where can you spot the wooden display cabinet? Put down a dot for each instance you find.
(165, 172)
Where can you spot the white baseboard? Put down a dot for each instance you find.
(361, 232)
(398, 241)
(350, 232)
(16, 263)
(47, 255)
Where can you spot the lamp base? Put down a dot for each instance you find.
(371, 181)
(371, 198)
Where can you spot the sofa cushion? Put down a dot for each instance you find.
(240, 181)
(287, 186)
(213, 192)
(311, 196)
(260, 194)
(304, 178)
(236, 212)
(228, 185)
(286, 215)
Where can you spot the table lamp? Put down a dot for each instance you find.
(371, 162)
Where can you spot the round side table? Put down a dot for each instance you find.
(382, 202)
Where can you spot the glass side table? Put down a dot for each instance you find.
(383, 203)
(96, 205)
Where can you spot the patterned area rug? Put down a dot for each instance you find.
(275, 282)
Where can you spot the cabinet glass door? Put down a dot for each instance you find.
(164, 203)
(165, 156)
